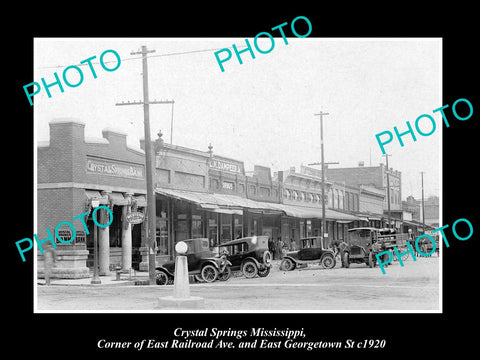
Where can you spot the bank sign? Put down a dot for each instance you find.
(224, 166)
(115, 168)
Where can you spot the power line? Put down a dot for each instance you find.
(134, 58)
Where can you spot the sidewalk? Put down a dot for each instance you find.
(107, 280)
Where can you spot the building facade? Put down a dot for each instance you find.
(372, 181)
(198, 194)
(72, 170)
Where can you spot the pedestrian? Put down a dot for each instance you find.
(293, 244)
(411, 240)
(48, 261)
(271, 247)
(279, 248)
(341, 249)
(335, 248)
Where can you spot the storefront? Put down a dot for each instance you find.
(198, 194)
(76, 174)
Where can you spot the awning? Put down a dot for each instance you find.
(95, 195)
(228, 211)
(299, 211)
(374, 218)
(141, 200)
(117, 199)
(232, 204)
(218, 202)
(315, 213)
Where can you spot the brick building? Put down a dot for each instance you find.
(372, 180)
(72, 170)
(198, 194)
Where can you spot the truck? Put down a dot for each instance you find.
(364, 243)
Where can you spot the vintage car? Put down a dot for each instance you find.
(249, 255)
(201, 261)
(312, 250)
(362, 246)
(364, 243)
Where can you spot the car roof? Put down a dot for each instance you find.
(241, 240)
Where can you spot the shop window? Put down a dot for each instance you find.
(238, 226)
(197, 226)
(309, 228)
(162, 236)
(181, 230)
(212, 229)
(226, 229)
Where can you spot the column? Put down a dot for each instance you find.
(126, 236)
(104, 241)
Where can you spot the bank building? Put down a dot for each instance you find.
(198, 194)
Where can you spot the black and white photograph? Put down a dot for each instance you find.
(237, 153)
(205, 182)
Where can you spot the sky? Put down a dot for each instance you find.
(262, 111)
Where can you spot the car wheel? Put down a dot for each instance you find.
(267, 258)
(161, 278)
(287, 265)
(328, 261)
(199, 278)
(209, 273)
(264, 272)
(249, 269)
(225, 275)
(346, 260)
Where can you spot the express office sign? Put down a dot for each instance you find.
(115, 168)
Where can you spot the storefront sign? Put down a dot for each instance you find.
(224, 166)
(114, 168)
(135, 217)
(227, 185)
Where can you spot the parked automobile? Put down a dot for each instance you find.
(362, 246)
(312, 250)
(201, 261)
(250, 255)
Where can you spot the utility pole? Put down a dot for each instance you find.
(324, 222)
(388, 190)
(149, 165)
(423, 205)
